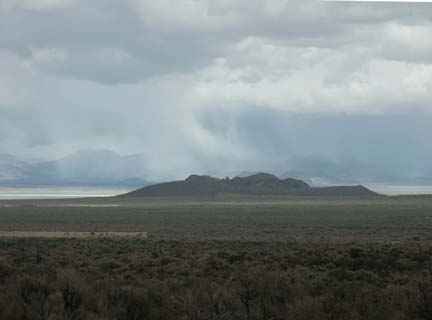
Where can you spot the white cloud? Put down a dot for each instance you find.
(407, 42)
(35, 4)
(15, 80)
(48, 57)
(265, 72)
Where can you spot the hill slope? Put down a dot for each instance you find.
(257, 184)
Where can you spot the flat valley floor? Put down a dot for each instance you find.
(230, 218)
(217, 258)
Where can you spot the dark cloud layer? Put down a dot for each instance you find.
(218, 86)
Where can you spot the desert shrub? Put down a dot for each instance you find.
(424, 299)
(215, 280)
(35, 295)
(5, 271)
(75, 294)
(137, 303)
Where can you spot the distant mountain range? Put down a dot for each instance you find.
(320, 171)
(257, 184)
(83, 168)
(108, 169)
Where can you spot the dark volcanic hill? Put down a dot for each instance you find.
(257, 184)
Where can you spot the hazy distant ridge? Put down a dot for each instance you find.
(83, 168)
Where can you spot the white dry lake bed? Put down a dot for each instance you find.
(393, 190)
(59, 193)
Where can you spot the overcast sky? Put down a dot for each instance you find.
(218, 85)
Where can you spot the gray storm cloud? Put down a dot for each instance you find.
(218, 86)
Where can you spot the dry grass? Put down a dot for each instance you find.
(80, 235)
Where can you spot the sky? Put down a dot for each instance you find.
(220, 85)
